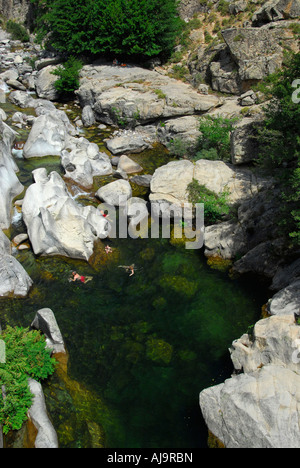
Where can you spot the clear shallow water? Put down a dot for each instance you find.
(140, 348)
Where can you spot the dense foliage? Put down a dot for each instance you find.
(17, 31)
(215, 206)
(68, 74)
(26, 356)
(214, 142)
(138, 28)
(280, 141)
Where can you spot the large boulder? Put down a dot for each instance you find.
(184, 128)
(10, 185)
(127, 143)
(286, 275)
(275, 10)
(170, 182)
(14, 279)
(56, 224)
(256, 224)
(255, 410)
(46, 436)
(133, 95)
(286, 301)
(271, 343)
(44, 84)
(83, 161)
(116, 193)
(128, 165)
(227, 240)
(45, 321)
(255, 51)
(259, 407)
(263, 260)
(49, 135)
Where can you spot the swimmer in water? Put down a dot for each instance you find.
(128, 269)
(77, 277)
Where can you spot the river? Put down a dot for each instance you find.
(140, 348)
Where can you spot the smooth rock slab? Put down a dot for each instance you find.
(286, 301)
(46, 437)
(256, 410)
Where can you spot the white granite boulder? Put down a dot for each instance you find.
(46, 436)
(56, 224)
(10, 185)
(49, 135)
(14, 279)
(45, 321)
(83, 161)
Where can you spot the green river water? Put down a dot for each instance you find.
(141, 348)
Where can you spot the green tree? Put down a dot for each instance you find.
(68, 74)
(26, 356)
(214, 142)
(280, 142)
(138, 28)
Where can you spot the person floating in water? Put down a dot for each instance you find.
(77, 277)
(108, 249)
(128, 269)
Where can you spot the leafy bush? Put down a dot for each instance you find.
(179, 148)
(26, 356)
(17, 31)
(214, 142)
(143, 28)
(215, 206)
(68, 74)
